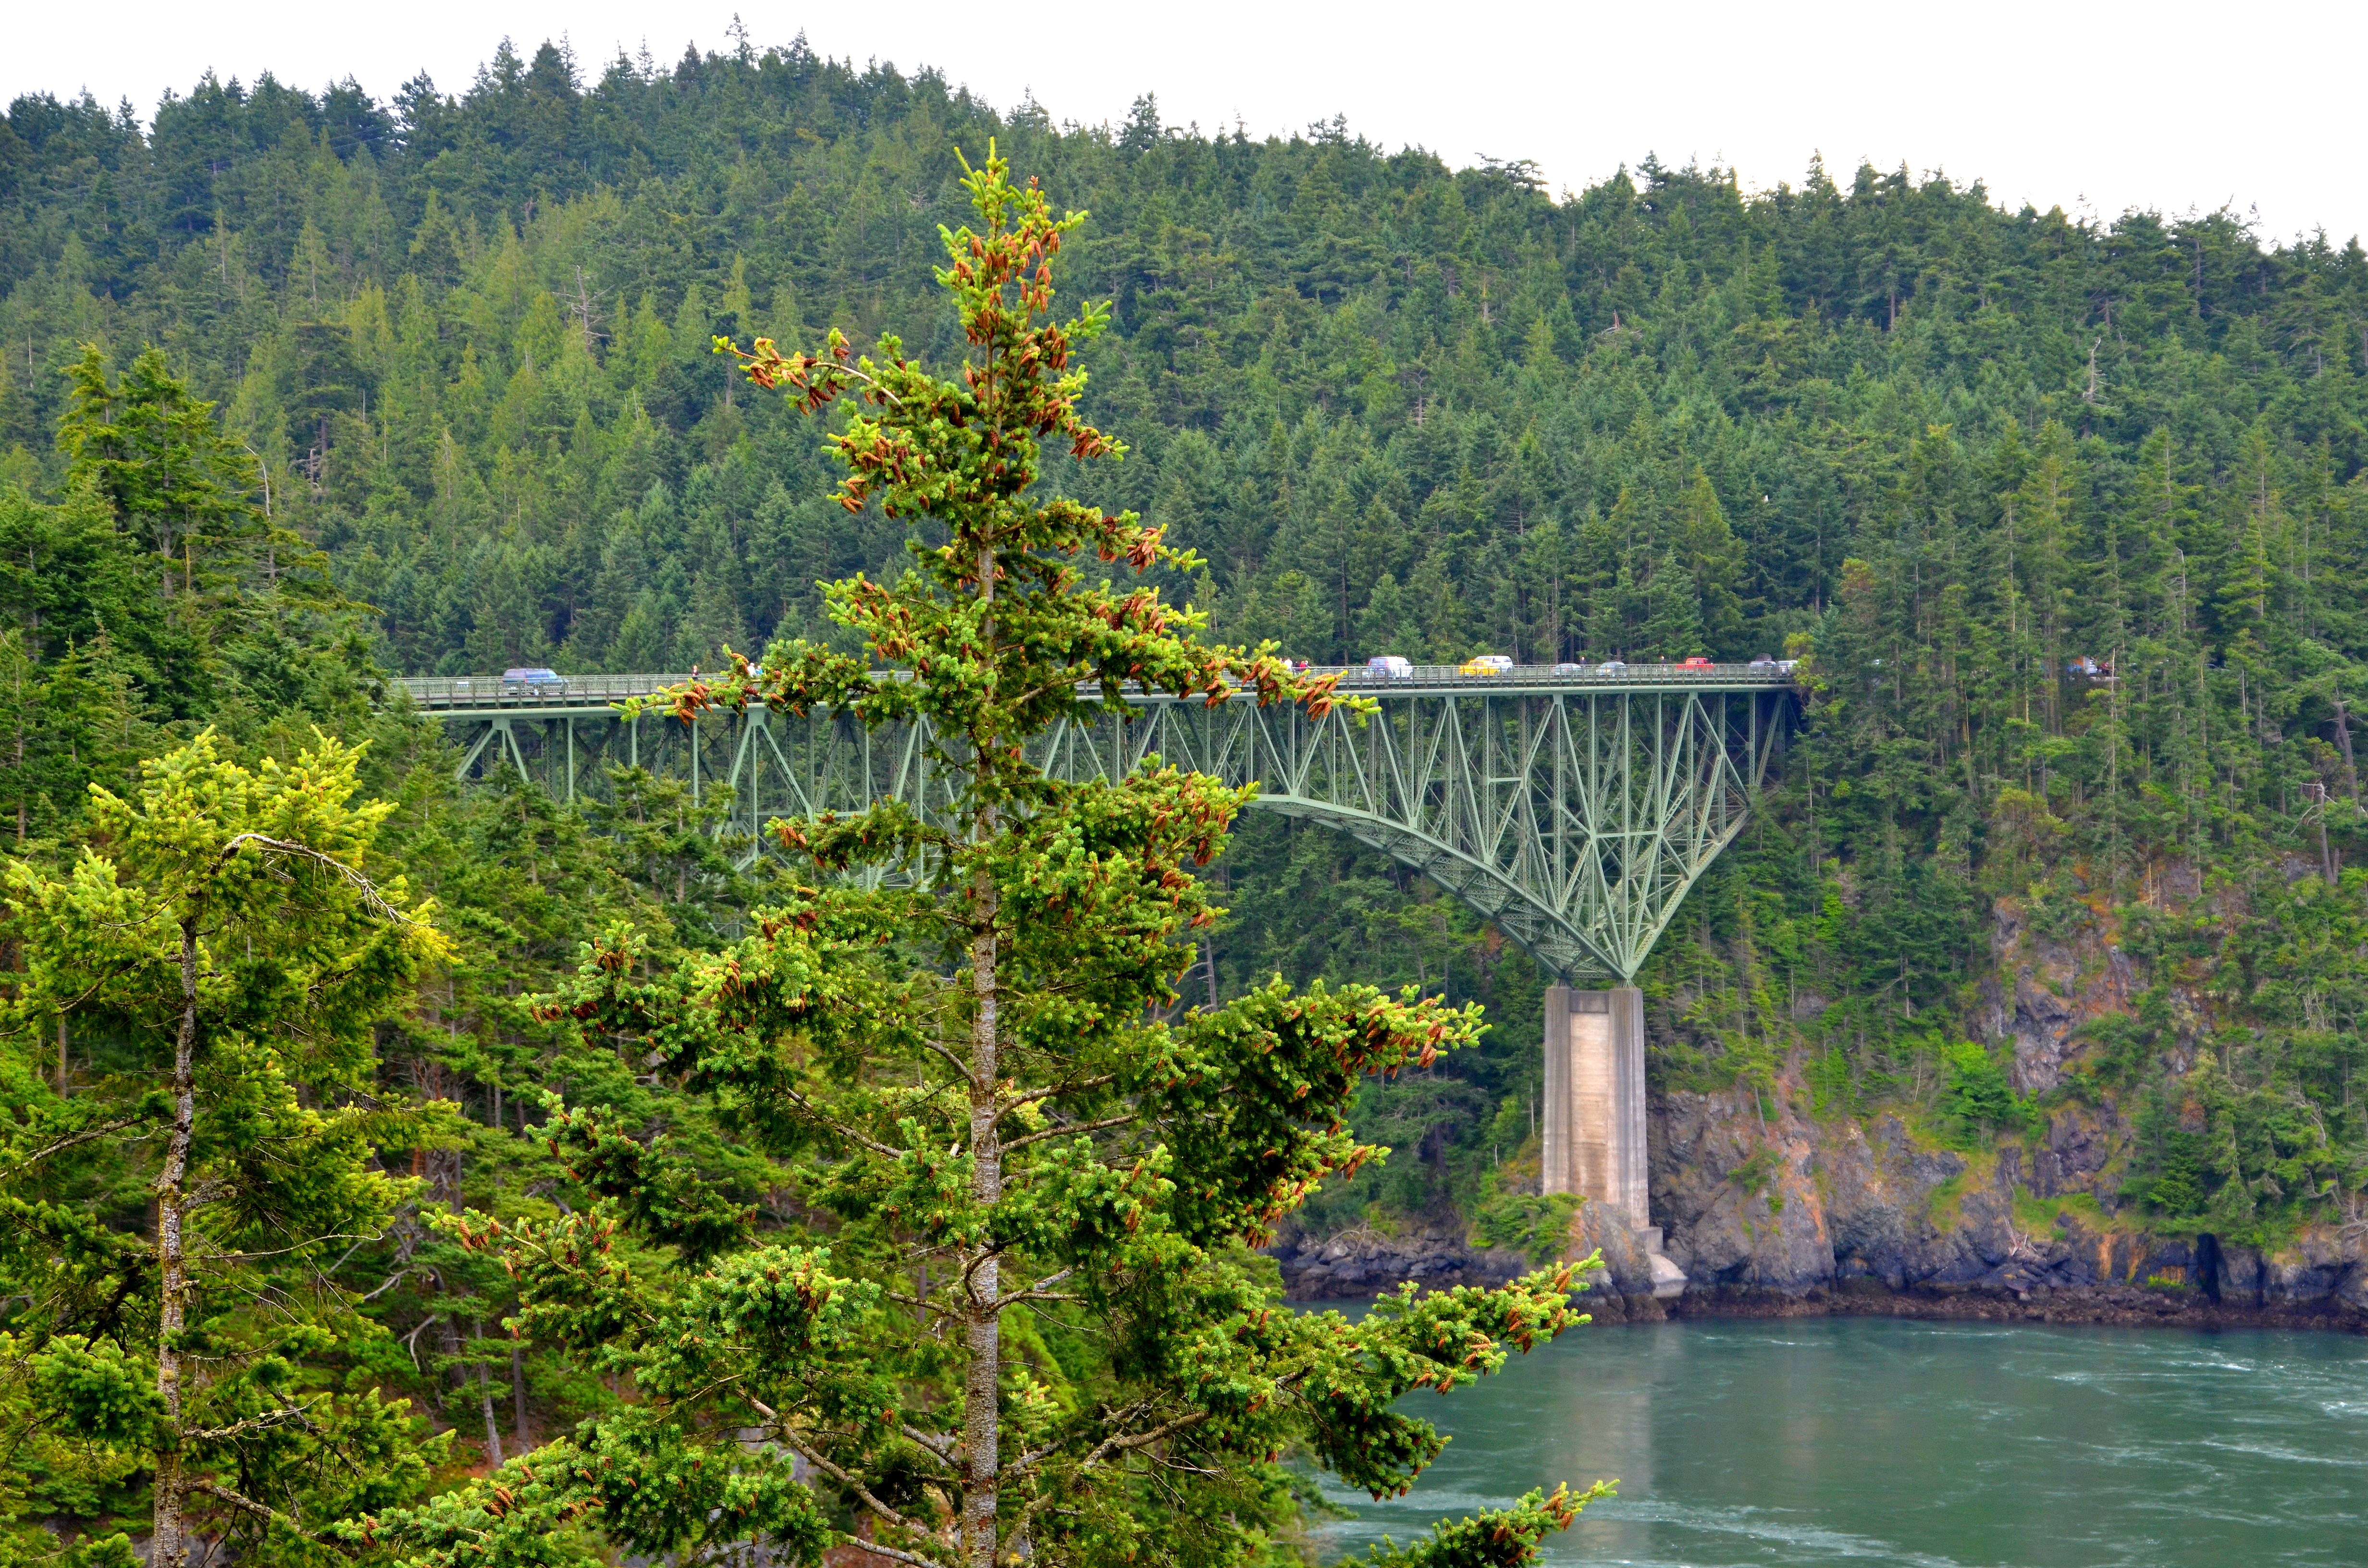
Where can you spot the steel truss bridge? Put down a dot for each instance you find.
(1573, 809)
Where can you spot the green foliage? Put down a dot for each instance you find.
(2260, 1132)
(1537, 1226)
(1977, 1099)
(450, 358)
(94, 1392)
(156, 593)
(1507, 1537)
(226, 963)
(1757, 1174)
(969, 1072)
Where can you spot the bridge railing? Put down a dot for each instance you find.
(475, 692)
(1432, 677)
(486, 693)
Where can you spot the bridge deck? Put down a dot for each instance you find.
(467, 695)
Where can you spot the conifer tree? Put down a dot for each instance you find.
(222, 960)
(1020, 1317)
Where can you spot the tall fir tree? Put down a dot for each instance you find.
(1022, 1321)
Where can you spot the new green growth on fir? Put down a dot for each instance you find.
(1017, 1316)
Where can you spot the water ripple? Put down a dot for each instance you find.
(1870, 1441)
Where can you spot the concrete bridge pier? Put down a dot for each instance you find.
(1595, 1111)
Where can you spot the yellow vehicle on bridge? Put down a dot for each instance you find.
(1485, 664)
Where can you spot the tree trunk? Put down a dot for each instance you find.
(2343, 739)
(448, 1335)
(485, 1396)
(521, 1436)
(169, 1546)
(982, 1428)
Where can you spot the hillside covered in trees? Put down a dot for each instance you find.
(2066, 521)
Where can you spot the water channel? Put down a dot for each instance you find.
(1875, 1441)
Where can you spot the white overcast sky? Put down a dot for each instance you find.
(2093, 107)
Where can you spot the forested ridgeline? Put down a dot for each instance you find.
(2062, 517)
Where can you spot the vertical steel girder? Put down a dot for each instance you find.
(1576, 819)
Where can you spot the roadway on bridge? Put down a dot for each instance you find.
(459, 696)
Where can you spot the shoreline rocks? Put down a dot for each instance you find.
(1790, 1216)
(2101, 1306)
(1850, 1216)
(1360, 1264)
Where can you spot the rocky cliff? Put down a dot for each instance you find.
(1436, 1252)
(1851, 1216)
(1770, 1206)
(1795, 1212)
(1807, 1216)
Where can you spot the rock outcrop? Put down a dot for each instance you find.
(1768, 1207)
(1789, 1214)
(1792, 1215)
(1630, 1289)
(1357, 1265)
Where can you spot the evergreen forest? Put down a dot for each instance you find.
(2064, 521)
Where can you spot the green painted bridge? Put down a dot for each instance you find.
(1575, 809)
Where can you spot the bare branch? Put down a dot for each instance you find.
(822, 1463)
(411, 1340)
(84, 1136)
(262, 1511)
(876, 1550)
(940, 1444)
(1111, 1448)
(1006, 1106)
(1040, 1291)
(392, 1279)
(1027, 1138)
(279, 1417)
(956, 1062)
(358, 1242)
(885, 1150)
(349, 1252)
(372, 900)
(855, 372)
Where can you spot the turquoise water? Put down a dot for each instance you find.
(1873, 1441)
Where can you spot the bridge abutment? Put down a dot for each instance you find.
(1594, 1143)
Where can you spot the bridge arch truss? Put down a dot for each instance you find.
(1575, 811)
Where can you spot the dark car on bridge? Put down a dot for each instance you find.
(524, 682)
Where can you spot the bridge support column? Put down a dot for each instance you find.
(1595, 1112)
(1595, 1098)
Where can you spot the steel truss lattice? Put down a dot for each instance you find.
(1573, 813)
